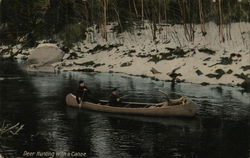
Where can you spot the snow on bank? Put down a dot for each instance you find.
(206, 59)
(132, 53)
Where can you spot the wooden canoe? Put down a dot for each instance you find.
(189, 109)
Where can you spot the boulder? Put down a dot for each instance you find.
(43, 57)
(46, 54)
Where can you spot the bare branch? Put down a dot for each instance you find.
(12, 130)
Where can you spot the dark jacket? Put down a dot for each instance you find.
(82, 94)
(113, 100)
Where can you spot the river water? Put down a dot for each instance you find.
(220, 130)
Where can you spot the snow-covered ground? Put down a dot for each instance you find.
(206, 59)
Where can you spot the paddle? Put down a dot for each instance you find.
(122, 97)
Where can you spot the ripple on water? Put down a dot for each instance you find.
(50, 125)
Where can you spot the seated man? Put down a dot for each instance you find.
(114, 99)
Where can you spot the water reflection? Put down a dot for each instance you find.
(37, 100)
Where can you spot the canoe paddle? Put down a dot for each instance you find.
(122, 97)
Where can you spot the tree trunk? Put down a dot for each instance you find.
(142, 12)
(165, 11)
(221, 33)
(202, 21)
(188, 24)
(118, 15)
(136, 12)
(159, 11)
(104, 19)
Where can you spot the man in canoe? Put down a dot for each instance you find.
(82, 93)
(114, 99)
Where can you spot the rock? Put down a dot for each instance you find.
(245, 68)
(198, 72)
(86, 64)
(46, 54)
(84, 70)
(229, 71)
(219, 73)
(103, 48)
(110, 66)
(174, 53)
(98, 65)
(65, 49)
(242, 76)
(72, 55)
(126, 64)
(207, 51)
(43, 57)
(207, 59)
(154, 71)
(235, 55)
(66, 56)
(26, 53)
(204, 83)
(226, 61)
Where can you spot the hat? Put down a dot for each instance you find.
(80, 82)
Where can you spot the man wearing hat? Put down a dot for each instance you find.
(82, 93)
(114, 99)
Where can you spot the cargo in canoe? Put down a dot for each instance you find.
(187, 109)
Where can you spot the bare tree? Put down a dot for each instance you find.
(221, 32)
(116, 9)
(165, 11)
(201, 16)
(159, 11)
(142, 11)
(136, 12)
(188, 25)
(152, 15)
(104, 4)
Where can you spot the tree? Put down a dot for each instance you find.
(49, 19)
(104, 18)
(201, 16)
(186, 8)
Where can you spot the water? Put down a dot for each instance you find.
(221, 129)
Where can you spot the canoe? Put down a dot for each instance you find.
(188, 109)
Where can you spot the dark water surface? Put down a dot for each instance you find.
(221, 129)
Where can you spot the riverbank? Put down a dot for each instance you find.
(206, 60)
